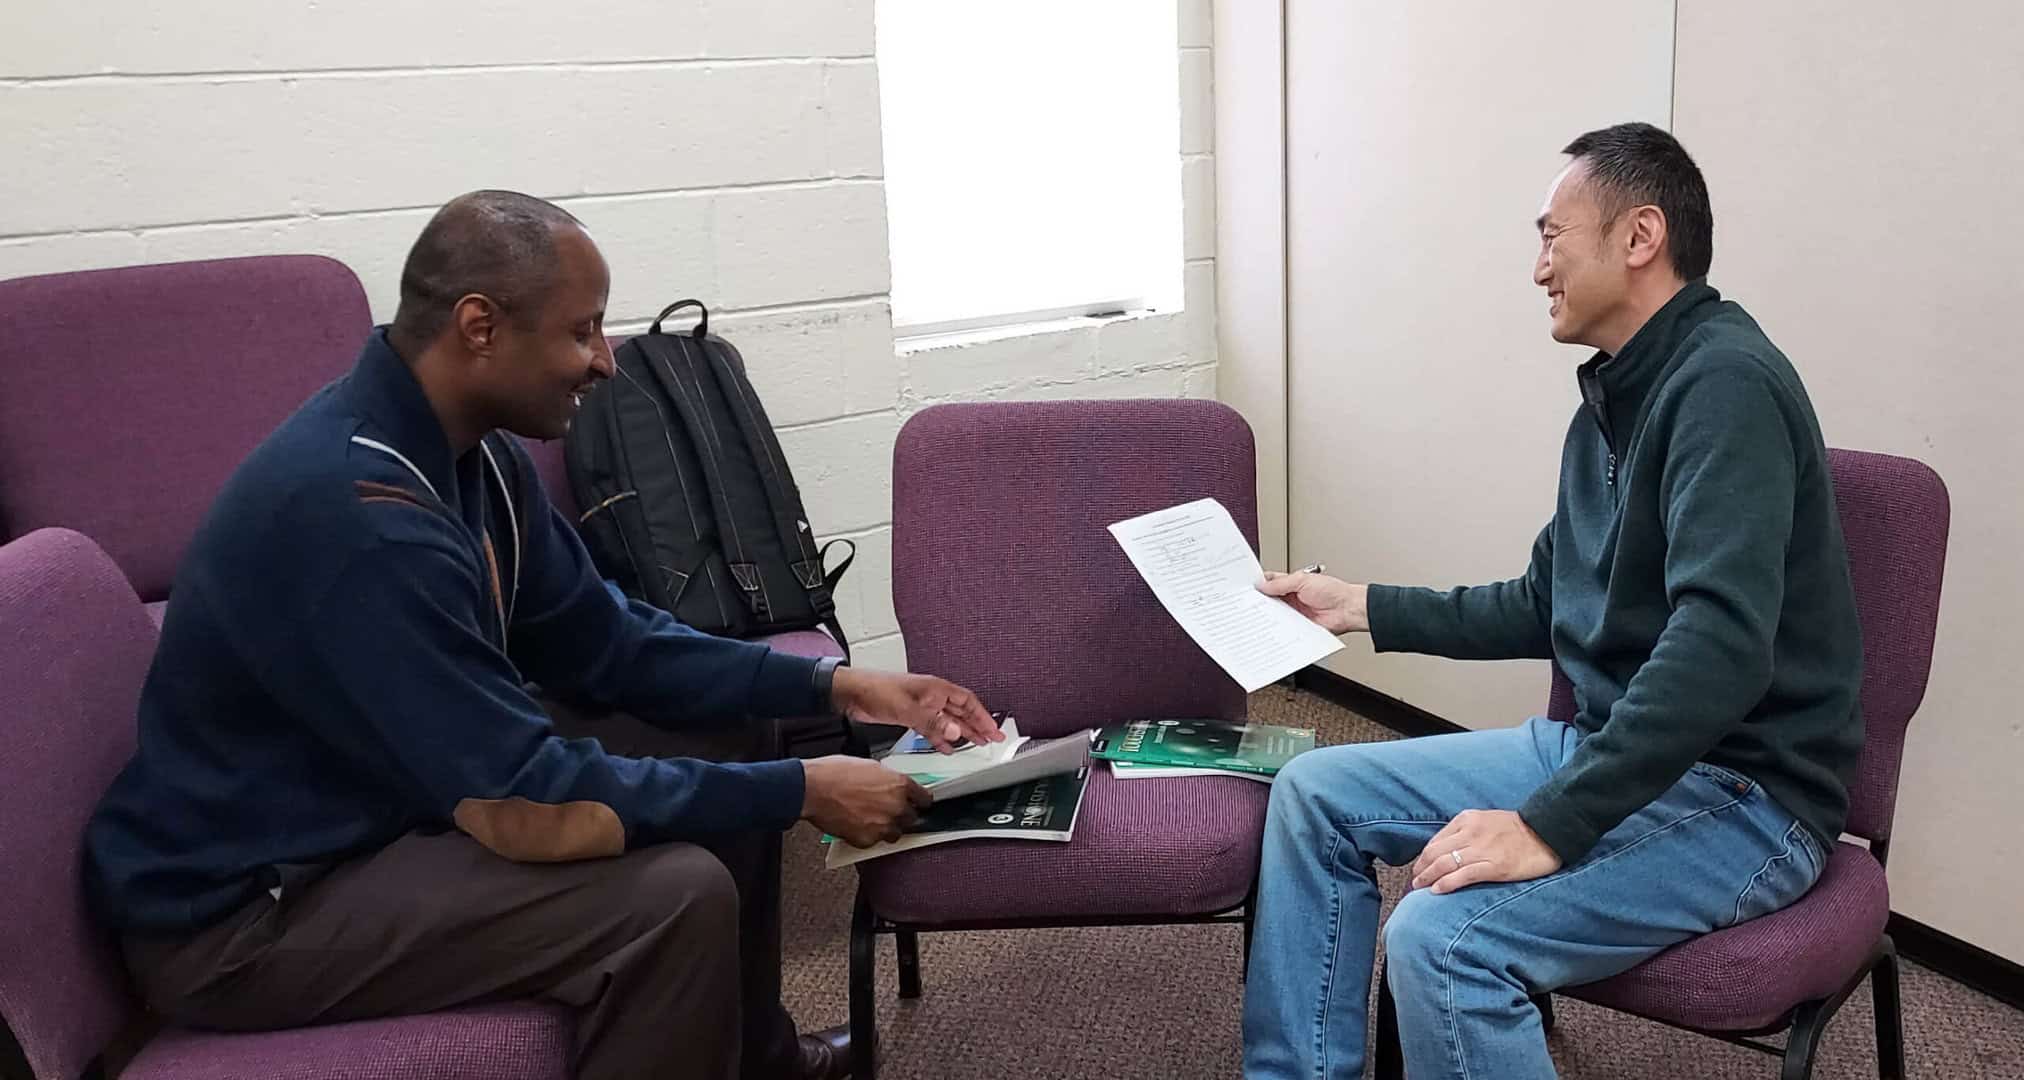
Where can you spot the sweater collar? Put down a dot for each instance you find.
(1624, 379)
(385, 392)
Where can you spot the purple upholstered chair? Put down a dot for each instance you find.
(127, 396)
(75, 643)
(1789, 971)
(1006, 580)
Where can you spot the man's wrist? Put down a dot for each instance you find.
(1380, 617)
(825, 681)
(807, 793)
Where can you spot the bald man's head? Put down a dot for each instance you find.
(496, 244)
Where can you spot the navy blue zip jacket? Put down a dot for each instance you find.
(345, 660)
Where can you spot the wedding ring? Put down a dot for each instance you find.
(1457, 856)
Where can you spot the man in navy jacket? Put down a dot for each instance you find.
(346, 803)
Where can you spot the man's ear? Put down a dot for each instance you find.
(1647, 236)
(476, 319)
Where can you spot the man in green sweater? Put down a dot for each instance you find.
(1694, 586)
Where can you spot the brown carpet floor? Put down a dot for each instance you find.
(1161, 1003)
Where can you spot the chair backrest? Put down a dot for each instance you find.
(74, 647)
(1006, 579)
(1560, 698)
(548, 464)
(128, 396)
(1894, 515)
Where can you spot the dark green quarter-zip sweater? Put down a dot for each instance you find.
(1693, 584)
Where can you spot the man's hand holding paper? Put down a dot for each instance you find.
(1334, 605)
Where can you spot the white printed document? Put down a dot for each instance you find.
(1203, 572)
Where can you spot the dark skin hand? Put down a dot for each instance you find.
(860, 801)
(863, 802)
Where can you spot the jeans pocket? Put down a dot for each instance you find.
(1729, 780)
(1783, 878)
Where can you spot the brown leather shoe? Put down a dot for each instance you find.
(826, 1054)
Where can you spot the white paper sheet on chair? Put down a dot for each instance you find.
(1204, 573)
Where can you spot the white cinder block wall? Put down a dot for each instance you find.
(723, 149)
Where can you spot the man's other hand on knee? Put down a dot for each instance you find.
(1482, 845)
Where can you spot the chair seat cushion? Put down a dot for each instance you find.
(814, 644)
(1177, 846)
(493, 1042)
(1748, 976)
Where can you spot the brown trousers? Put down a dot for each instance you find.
(670, 954)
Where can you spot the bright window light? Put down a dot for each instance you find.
(1032, 159)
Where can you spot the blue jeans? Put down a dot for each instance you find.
(1711, 851)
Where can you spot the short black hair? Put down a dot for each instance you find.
(1641, 165)
(499, 244)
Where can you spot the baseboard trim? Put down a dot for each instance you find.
(1970, 965)
(1965, 963)
(1375, 705)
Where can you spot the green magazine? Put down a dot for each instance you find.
(1040, 809)
(1156, 746)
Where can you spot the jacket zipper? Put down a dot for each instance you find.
(1598, 405)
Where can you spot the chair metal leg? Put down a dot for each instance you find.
(1545, 1005)
(863, 1004)
(1804, 1041)
(1890, 1030)
(1250, 921)
(907, 944)
(1388, 1059)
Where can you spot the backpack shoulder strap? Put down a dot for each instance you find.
(661, 352)
(782, 497)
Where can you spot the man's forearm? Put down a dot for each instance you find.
(1510, 620)
(1487, 622)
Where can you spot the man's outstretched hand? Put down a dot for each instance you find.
(941, 711)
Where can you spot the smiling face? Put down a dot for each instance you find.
(543, 361)
(1583, 267)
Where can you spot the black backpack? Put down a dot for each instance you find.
(687, 501)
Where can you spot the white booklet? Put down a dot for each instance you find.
(1127, 770)
(1204, 573)
(983, 766)
(914, 755)
(1035, 758)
